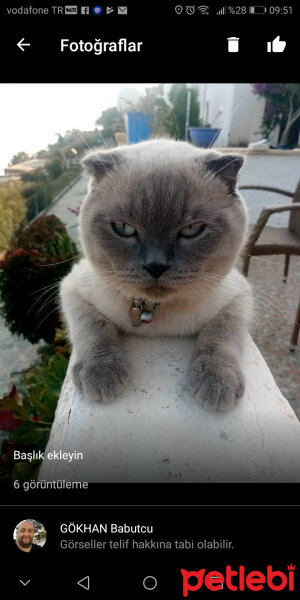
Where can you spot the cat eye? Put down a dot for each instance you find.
(192, 231)
(123, 229)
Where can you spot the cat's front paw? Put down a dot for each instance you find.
(100, 378)
(217, 383)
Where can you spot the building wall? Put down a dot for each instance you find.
(166, 90)
(241, 112)
(247, 113)
(216, 101)
(233, 108)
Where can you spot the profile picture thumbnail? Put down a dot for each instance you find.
(30, 535)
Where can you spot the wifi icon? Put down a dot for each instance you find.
(204, 10)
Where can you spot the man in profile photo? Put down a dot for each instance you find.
(24, 537)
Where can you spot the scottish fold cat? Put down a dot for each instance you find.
(161, 228)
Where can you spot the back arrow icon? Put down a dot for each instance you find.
(85, 582)
(24, 582)
(21, 43)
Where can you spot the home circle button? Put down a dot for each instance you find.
(150, 582)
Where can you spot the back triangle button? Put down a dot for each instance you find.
(85, 582)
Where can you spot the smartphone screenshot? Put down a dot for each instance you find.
(149, 298)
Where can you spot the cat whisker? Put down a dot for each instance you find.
(102, 139)
(103, 166)
(269, 296)
(60, 262)
(47, 301)
(214, 276)
(112, 283)
(41, 295)
(43, 288)
(228, 296)
(85, 142)
(46, 317)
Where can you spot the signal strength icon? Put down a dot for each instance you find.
(203, 9)
(222, 11)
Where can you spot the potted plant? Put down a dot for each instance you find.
(205, 136)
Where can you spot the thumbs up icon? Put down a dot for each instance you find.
(276, 45)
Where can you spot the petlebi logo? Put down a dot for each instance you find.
(238, 579)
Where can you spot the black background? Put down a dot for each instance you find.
(260, 536)
(176, 47)
(262, 522)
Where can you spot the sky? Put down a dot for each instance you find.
(31, 114)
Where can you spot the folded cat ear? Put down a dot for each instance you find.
(99, 164)
(226, 167)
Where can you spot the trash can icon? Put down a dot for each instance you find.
(233, 44)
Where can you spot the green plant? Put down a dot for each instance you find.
(33, 267)
(12, 212)
(65, 179)
(27, 412)
(38, 200)
(40, 191)
(282, 108)
(42, 154)
(175, 118)
(18, 158)
(111, 121)
(55, 168)
(154, 105)
(38, 176)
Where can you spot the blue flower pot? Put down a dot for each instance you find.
(204, 136)
(139, 127)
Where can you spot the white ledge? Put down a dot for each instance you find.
(156, 432)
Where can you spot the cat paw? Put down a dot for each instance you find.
(100, 379)
(216, 383)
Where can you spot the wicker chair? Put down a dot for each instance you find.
(266, 240)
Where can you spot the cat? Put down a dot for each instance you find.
(161, 228)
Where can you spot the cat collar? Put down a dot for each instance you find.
(142, 311)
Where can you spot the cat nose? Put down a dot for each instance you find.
(156, 269)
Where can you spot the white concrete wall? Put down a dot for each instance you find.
(214, 97)
(246, 118)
